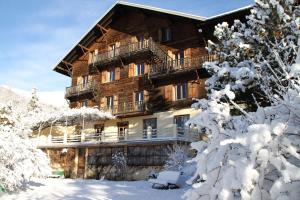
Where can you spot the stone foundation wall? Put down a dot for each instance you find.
(96, 162)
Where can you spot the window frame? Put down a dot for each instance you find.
(84, 103)
(140, 95)
(181, 91)
(110, 102)
(140, 69)
(111, 75)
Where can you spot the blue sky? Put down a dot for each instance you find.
(36, 34)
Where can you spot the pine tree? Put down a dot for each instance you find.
(252, 155)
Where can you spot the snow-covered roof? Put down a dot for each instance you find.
(229, 12)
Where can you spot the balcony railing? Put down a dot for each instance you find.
(128, 50)
(126, 108)
(80, 89)
(172, 133)
(177, 65)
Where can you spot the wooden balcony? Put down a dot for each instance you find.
(82, 90)
(127, 53)
(178, 66)
(126, 109)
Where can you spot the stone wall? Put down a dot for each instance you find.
(96, 162)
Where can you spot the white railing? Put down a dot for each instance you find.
(149, 134)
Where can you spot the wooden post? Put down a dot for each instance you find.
(49, 138)
(76, 161)
(82, 139)
(86, 163)
(175, 131)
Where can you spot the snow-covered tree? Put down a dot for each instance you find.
(20, 160)
(34, 103)
(177, 158)
(252, 155)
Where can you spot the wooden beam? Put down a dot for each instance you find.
(83, 47)
(67, 63)
(102, 29)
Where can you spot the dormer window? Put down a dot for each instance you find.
(165, 34)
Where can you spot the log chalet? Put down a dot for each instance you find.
(144, 65)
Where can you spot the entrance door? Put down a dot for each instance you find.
(99, 129)
(122, 130)
(81, 163)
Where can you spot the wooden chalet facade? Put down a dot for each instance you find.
(144, 65)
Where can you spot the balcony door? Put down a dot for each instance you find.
(99, 131)
(179, 60)
(139, 101)
(85, 81)
(123, 128)
(150, 128)
(110, 103)
(141, 40)
(180, 122)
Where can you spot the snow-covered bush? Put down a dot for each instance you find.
(20, 160)
(119, 161)
(177, 158)
(252, 155)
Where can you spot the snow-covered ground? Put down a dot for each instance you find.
(70, 189)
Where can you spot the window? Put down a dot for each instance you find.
(181, 91)
(147, 123)
(141, 40)
(112, 50)
(111, 75)
(165, 34)
(85, 80)
(140, 69)
(84, 103)
(99, 129)
(110, 102)
(139, 96)
(180, 122)
(179, 58)
(123, 130)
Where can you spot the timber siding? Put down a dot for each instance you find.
(171, 46)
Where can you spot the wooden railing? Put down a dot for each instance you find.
(80, 89)
(129, 50)
(126, 107)
(173, 132)
(180, 65)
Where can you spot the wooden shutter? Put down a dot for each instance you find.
(146, 96)
(79, 80)
(118, 72)
(187, 53)
(104, 76)
(131, 70)
(134, 39)
(146, 69)
(193, 90)
(169, 92)
(103, 102)
(116, 101)
(90, 59)
(201, 88)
